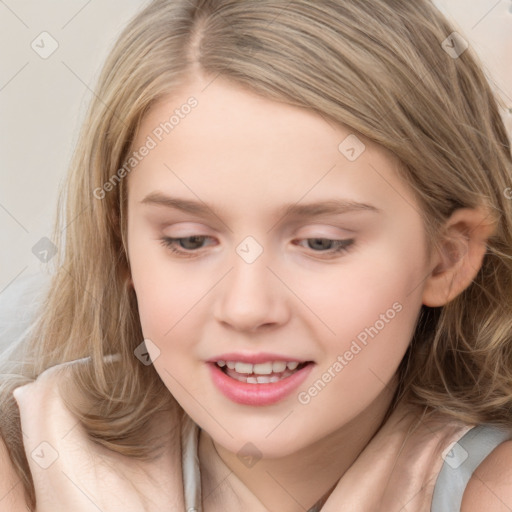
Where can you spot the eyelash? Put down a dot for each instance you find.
(341, 246)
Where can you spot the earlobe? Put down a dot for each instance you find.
(460, 255)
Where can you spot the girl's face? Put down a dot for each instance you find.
(297, 242)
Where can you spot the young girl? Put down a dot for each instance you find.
(285, 274)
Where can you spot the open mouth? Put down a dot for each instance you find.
(264, 373)
(259, 384)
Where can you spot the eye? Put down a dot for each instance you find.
(190, 246)
(328, 246)
(186, 246)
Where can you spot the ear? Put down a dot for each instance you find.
(462, 249)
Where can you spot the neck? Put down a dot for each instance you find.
(299, 481)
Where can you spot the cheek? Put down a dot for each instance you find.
(372, 314)
(370, 304)
(164, 298)
(168, 318)
(367, 283)
(158, 286)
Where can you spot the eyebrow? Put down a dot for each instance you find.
(326, 207)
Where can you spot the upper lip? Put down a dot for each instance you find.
(260, 357)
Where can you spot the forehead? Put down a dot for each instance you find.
(206, 110)
(236, 147)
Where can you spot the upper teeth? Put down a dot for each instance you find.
(261, 368)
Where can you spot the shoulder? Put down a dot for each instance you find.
(38, 409)
(58, 445)
(56, 374)
(37, 396)
(490, 487)
(12, 495)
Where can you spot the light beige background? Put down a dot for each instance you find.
(42, 101)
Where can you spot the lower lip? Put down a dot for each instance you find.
(257, 394)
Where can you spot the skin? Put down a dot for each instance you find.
(246, 156)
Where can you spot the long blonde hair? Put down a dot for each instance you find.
(377, 66)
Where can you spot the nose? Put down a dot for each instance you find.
(251, 297)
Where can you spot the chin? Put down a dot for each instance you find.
(257, 443)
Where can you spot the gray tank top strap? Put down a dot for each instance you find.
(460, 462)
(190, 465)
(192, 494)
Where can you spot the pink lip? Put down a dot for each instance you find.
(257, 394)
(261, 357)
